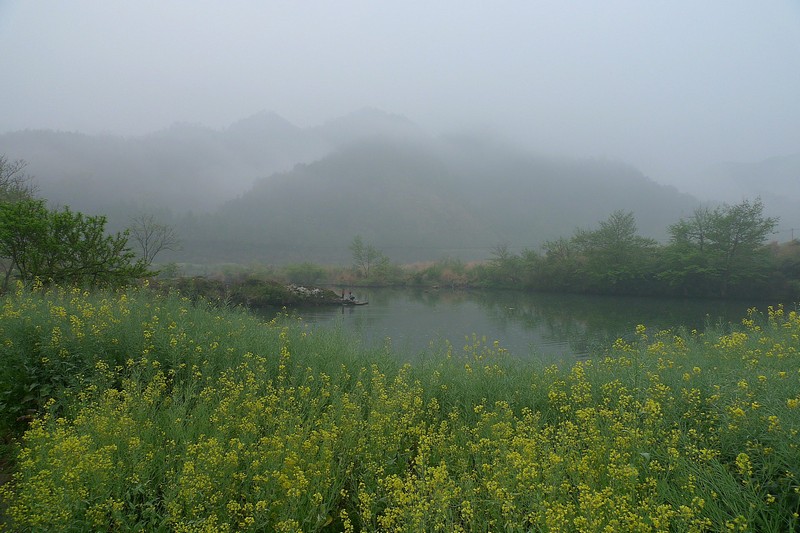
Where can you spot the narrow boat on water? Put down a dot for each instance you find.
(353, 302)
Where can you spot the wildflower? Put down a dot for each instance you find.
(737, 411)
(744, 465)
(774, 423)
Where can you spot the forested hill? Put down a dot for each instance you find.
(416, 201)
(186, 167)
(264, 189)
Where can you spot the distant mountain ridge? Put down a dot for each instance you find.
(422, 200)
(264, 189)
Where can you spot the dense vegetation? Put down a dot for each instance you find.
(717, 252)
(248, 291)
(62, 246)
(145, 412)
(59, 245)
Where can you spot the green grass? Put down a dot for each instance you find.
(135, 411)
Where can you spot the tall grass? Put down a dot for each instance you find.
(145, 412)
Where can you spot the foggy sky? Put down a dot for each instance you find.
(669, 87)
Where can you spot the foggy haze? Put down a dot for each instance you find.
(670, 87)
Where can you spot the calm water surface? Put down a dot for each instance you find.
(543, 326)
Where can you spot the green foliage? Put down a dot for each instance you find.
(446, 272)
(720, 250)
(249, 291)
(306, 273)
(715, 253)
(64, 247)
(560, 266)
(610, 259)
(158, 415)
(787, 258)
(614, 258)
(508, 270)
(169, 271)
(367, 260)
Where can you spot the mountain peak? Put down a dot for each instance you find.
(262, 122)
(368, 123)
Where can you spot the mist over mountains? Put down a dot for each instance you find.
(266, 190)
(775, 180)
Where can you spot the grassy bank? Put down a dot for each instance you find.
(147, 412)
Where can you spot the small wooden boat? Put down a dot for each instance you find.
(353, 302)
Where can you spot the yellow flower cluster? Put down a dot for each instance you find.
(186, 419)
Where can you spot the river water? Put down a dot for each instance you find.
(547, 327)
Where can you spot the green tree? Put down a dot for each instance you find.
(15, 185)
(63, 246)
(23, 237)
(503, 268)
(507, 269)
(614, 257)
(717, 250)
(560, 266)
(787, 263)
(367, 258)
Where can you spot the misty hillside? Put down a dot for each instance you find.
(775, 180)
(368, 123)
(264, 189)
(186, 167)
(422, 200)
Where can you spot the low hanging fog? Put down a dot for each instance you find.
(467, 124)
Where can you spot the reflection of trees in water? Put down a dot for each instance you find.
(546, 323)
(588, 323)
(554, 320)
(400, 307)
(434, 297)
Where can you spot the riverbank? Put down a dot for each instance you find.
(152, 412)
(249, 292)
(775, 279)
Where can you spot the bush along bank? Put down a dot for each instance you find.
(248, 291)
(153, 413)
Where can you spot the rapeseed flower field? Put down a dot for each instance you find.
(141, 412)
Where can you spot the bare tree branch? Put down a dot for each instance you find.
(153, 237)
(15, 185)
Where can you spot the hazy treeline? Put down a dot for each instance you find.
(718, 252)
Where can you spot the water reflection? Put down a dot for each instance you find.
(587, 323)
(543, 326)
